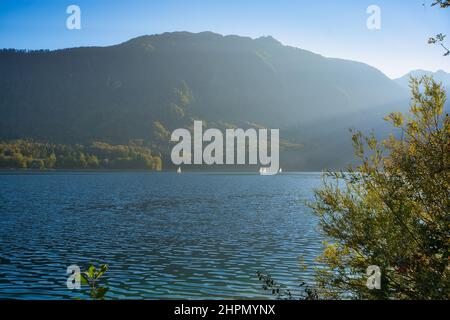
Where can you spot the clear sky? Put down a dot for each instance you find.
(333, 28)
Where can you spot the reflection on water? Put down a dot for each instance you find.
(163, 235)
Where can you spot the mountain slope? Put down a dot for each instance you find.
(150, 85)
(117, 92)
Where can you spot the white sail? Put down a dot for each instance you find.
(179, 170)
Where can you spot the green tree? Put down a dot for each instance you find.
(392, 211)
(92, 162)
(50, 162)
(82, 162)
(20, 161)
(39, 164)
(160, 132)
(157, 163)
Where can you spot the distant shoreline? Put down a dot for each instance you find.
(196, 171)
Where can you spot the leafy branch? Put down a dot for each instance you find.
(92, 279)
(442, 3)
(439, 38)
(281, 293)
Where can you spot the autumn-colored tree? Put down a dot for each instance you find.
(393, 210)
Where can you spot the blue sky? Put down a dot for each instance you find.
(333, 28)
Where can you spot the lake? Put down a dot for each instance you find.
(163, 235)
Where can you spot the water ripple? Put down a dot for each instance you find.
(163, 235)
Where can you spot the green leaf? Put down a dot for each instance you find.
(103, 269)
(91, 272)
(84, 278)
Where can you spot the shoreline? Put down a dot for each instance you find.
(37, 171)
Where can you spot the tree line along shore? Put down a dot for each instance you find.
(29, 154)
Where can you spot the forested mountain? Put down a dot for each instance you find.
(144, 88)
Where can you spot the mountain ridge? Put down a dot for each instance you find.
(439, 75)
(149, 85)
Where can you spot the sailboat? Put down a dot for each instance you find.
(280, 171)
(179, 170)
(262, 170)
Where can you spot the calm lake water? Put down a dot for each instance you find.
(164, 235)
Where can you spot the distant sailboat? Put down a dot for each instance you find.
(262, 170)
(280, 171)
(179, 170)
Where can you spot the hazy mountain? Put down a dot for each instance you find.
(117, 93)
(440, 76)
